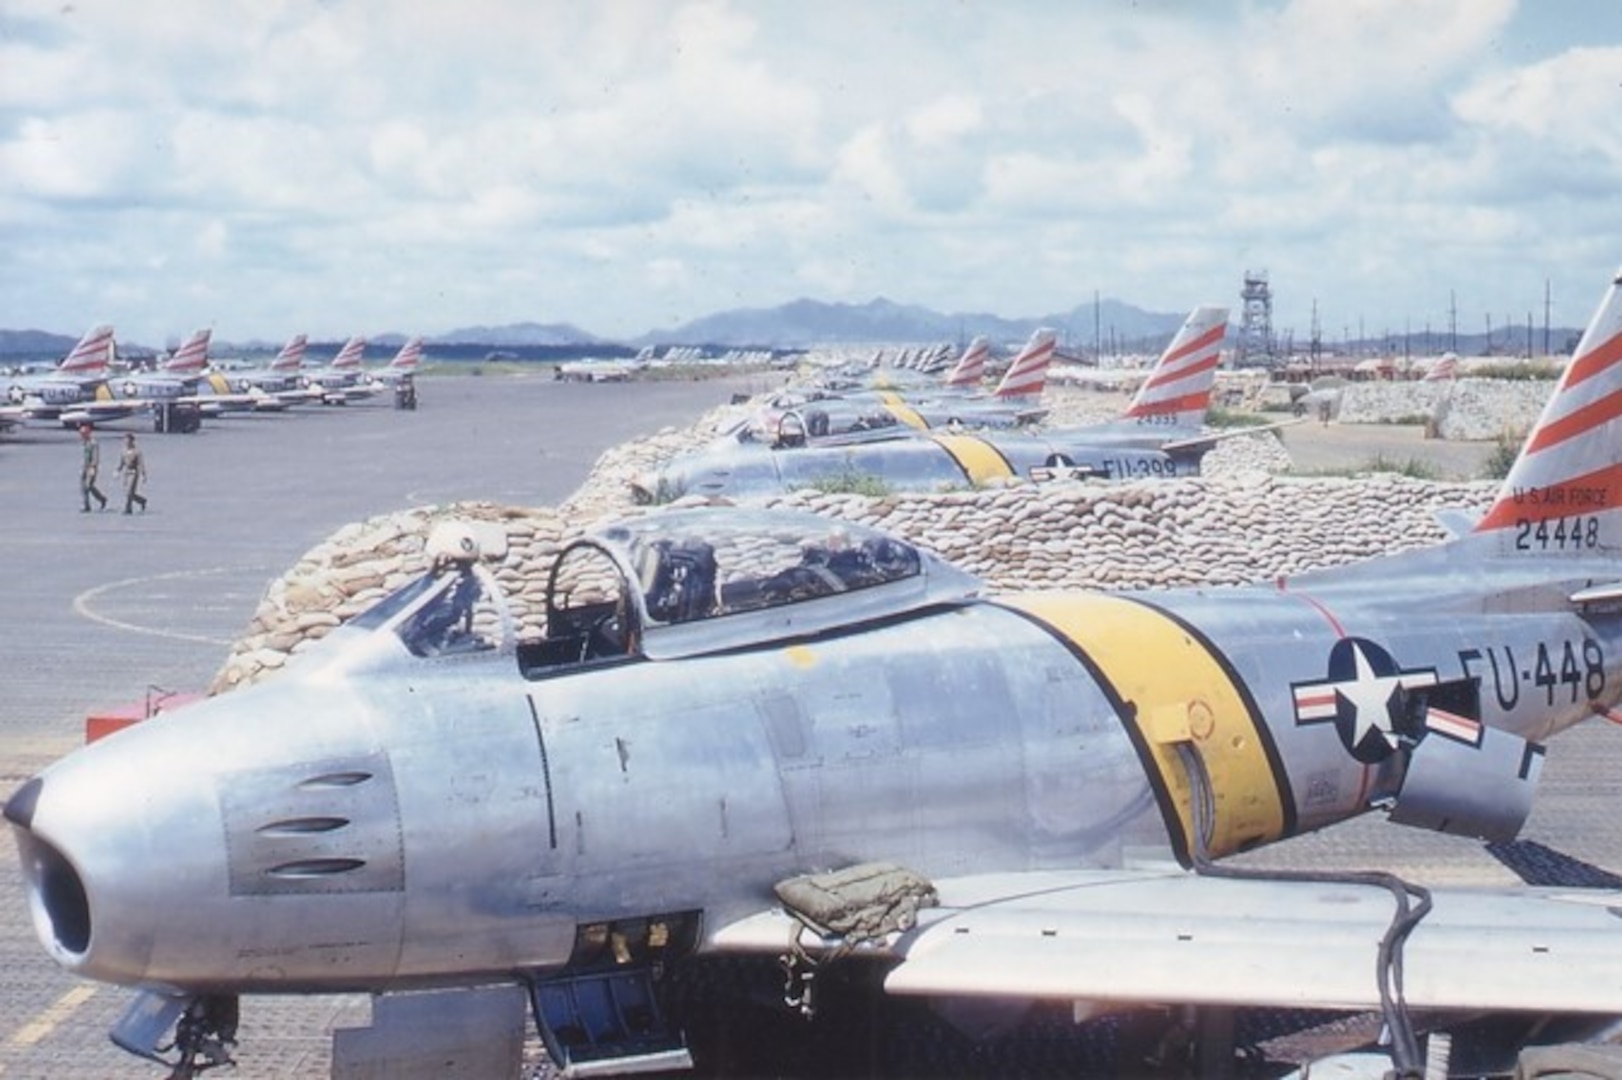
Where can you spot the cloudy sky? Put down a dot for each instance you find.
(363, 166)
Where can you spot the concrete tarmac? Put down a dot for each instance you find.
(102, 608)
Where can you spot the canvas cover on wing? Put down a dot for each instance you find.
(1185, 938)
(1171, 937)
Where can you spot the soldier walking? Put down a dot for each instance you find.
(132, 468)
(89, 468)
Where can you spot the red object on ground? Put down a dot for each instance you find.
(103, 722)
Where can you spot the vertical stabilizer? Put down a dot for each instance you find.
(409, 356)
(92, 355)
(291, 358)
(350, 356)
(971, 366)
(1564, 492)
(1178, 389)
(1028, 374)
(192, 357)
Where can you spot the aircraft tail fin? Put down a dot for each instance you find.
(1563, 495)
(409, 356)
(1445, 368)
(191, 357)
(971, 366)
(351, 355)
(1028, 374)
(291, 358)
(93, 353)
(1178, 389)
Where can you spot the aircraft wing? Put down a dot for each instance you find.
(1207, 439)
(1175, 937)
(104, 411)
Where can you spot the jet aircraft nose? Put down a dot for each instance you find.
(189, 845)
(299, 837)
(56, 895)
(106, 844)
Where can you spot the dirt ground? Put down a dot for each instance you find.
(1337, 447)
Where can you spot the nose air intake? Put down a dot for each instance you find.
(56, 895)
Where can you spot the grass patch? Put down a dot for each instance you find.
(1219, 417)
(851, 483)
(1413, 468)
(1523, 371)
(1504, 452)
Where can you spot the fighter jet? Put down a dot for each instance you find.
(817, 411)
(964, 375)
(1159, 434)
(183, 379)
(746, 733)
(345, 379)
(404, 365)
(79, 380)
(281, 383)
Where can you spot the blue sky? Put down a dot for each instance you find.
(265, 167)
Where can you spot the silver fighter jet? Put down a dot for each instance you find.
(850, 442)
(767, 736)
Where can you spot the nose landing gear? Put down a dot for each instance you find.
(205, 1031)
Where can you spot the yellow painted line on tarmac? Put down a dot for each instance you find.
(49, 1019)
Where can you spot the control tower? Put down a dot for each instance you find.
(1255, 345)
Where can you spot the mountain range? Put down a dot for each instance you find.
(1109, 324)
(797, 324)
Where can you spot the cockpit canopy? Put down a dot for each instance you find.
(672, 583)
(686, 581)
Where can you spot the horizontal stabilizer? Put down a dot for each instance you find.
(1456, 522)
(1207, 439)
(1609, 592)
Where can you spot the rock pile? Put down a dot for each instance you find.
(1473, 409)
(1235, 524)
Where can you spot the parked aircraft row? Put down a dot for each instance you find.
(920, 440)
(748, 734)
(84, 388)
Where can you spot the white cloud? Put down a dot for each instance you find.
(633, 163)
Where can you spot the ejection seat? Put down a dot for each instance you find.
(683, 587)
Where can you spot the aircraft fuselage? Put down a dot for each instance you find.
(445, 820)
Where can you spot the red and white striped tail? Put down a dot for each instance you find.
(1180, 383)
(971, 366)
(409, 356)
(93, 353)
(1564, 492)
(1028, 374)
(351, 355)
(1447, 367)
(192, 356)
(291, 358)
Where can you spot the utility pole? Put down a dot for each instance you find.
(1545, 316)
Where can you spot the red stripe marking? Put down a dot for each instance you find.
(1185, 403)
(1556, 500)
(1210, 337)
(1595, 361)
(1329, 617)
(1580, 422)
(1165, 374)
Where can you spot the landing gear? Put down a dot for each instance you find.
(205, 1031)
